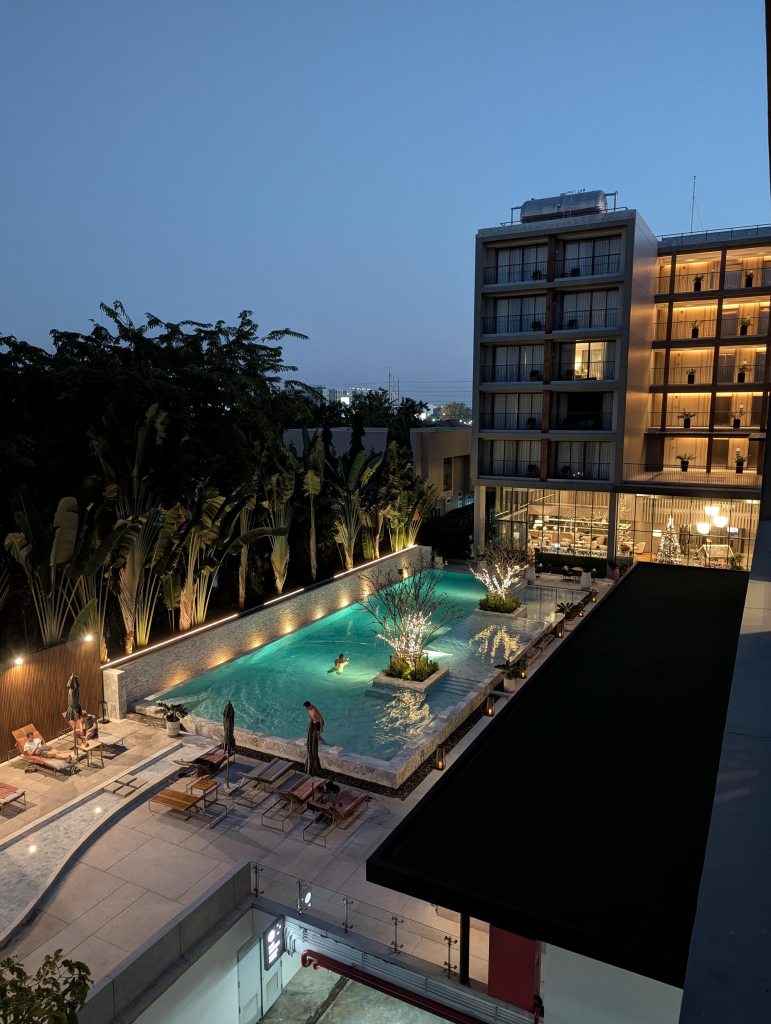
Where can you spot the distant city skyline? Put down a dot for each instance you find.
(328, 168)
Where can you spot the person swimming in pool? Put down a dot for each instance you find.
(339, 665)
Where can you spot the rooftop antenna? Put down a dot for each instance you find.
(693, 201)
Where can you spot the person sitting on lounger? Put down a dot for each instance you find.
(87, 727)
(339, 665)
(37, 748)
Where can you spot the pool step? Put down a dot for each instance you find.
(453, 687)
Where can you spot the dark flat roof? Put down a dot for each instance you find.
(580, 815)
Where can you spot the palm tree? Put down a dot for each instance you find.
(350, 477)
(43, 552)
(313, 480)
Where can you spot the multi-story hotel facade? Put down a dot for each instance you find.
(619, 380)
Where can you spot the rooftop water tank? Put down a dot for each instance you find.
(568, 204)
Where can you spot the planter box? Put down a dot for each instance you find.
(522, 610)
(410, 684)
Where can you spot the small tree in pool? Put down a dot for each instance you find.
(499, 565)
(669, 548)
(408, 611)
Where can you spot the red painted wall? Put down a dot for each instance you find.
(511, 973)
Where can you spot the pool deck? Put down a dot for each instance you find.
(146, 867)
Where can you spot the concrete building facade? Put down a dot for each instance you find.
(602, 356)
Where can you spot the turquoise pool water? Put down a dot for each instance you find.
(268, 687)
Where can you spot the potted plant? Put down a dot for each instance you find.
(535, 325)
(684, 460)
(697, 279)
(744, 324)
(741, 372)
(695, 328)
(735, 561)
(740, 460)
(685, 416)
(572, 323)
(737, 418)
(174, 714)
(691, 374)
(748, 278)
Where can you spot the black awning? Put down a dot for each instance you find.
(580, 815)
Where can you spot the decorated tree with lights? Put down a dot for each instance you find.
(408, 609)
(669, 548)
(499, 565)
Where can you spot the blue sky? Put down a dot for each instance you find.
(327, 165)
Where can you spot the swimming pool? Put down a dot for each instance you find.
(267, 687)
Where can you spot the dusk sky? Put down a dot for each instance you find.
(328, 165)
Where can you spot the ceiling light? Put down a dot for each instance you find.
(703, 528)
(711, 510)
(720, 521)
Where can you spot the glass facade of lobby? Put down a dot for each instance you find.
(712, 533)
(553, 521)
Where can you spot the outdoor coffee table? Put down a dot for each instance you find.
(204, 787)
(177, 800)
(91, 747)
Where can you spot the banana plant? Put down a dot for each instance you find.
(313, 481)
(43, 551)
(413, 505)
(350, 477)
(279, 506)
(128, 465)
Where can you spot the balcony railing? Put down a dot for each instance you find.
(736, 326)
(514, 324)
(685, 329)
(745, 421)
(510, 421)
(757, 277)
(641, 473)
(587, 320)
(719, 235)
(511, 373)
(579, 471)
(582, 421)
(699, 281)
(588, 266)
(733, 375)
(689, 375)
(675, 421)
(599, 370)
(516, 273)
(510, 467)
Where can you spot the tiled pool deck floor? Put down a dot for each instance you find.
(148, 866)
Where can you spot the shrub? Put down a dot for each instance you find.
(400, 668)
(499, 604)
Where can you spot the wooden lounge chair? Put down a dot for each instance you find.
(334, 812)
(208, 763)
(9, 793)
(53, 764)
(177, 800)
(289, 795)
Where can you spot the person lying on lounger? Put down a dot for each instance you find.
(339, 665)
(37, 748)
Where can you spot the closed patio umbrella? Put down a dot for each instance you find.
(229, 735)
(312, 763)
(74, 710)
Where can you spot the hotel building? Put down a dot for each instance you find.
(620, 380)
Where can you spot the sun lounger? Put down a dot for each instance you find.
(335, 812)
(208, 763)
(107, 739)
(177, 800)
(289, 795)
(253, 783)
(53, 764)
(9, 793)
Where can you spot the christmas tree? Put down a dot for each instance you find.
(669, 548)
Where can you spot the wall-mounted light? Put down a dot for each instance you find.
(18, 661)
(88, 638)
(490, 709)
(440, 758)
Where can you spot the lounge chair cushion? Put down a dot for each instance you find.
(302, 789)
(343, 806)
(9, 793)
(20, 735)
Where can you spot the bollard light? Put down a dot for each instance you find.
(440, 758)
(490, 710)
(523, 673)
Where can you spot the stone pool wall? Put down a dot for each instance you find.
(151, 673)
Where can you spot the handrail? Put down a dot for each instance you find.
(714, 232)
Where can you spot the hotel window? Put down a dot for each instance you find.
(511, 411)
(585, 360)
(579, 460)
(447, 476)
(582, 410)
(513, 266)
(589, 310)
(553, 523)
(510, 458)
(517, 315)
(503, 364)
(591, 256)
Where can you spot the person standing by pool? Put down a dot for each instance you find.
(316, 718)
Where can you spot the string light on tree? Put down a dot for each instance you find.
(498, 566)
(669, 548)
